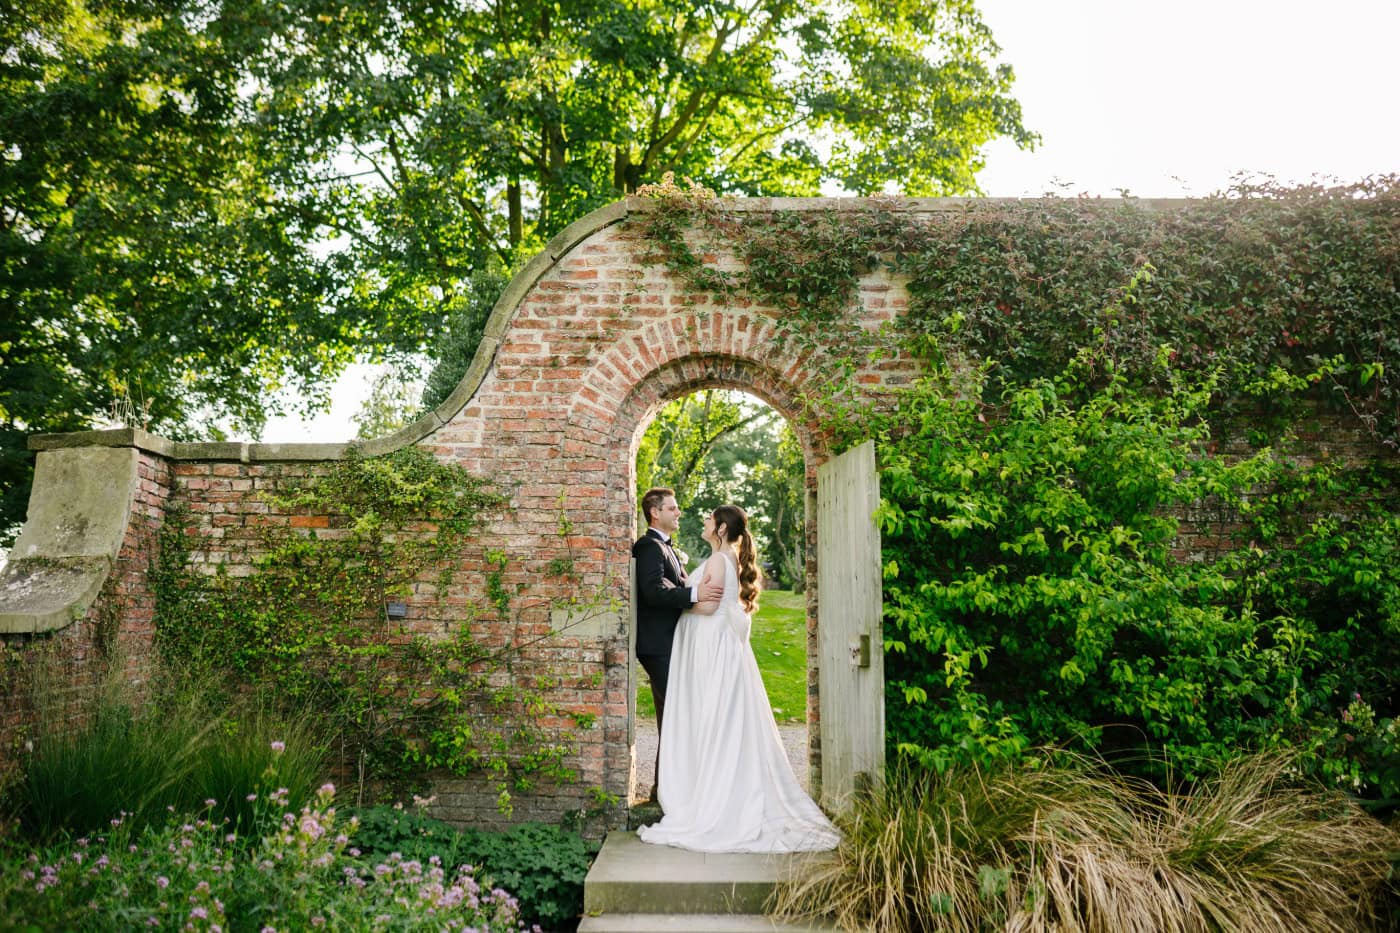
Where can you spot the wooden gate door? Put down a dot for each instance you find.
(850, 633)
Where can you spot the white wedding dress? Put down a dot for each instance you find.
(724, 782)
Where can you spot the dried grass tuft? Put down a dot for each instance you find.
(1076, 847)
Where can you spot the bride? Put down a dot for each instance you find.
(724, 783)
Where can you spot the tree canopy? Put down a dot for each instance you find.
(212, 199)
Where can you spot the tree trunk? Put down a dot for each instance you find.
(517, 221)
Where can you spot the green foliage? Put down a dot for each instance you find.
(212, 197)
(455, 347)
(709, 447)
(1273, 289)
(391, 404)
(1326, 548)
(1035, 593)
(777, 500)
(544, 866)
(677, 445)
(715, 447)
(293, 871)
(142, 241)
(1061, 844)
(310, 623)
(134, 763)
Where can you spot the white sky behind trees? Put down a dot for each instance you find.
(1161, 99)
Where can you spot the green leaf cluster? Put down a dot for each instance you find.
(210, 199)
(542, 866)
(1040, 589)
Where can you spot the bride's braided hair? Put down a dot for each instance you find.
(736, 529)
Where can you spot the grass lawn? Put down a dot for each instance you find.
(779, 642)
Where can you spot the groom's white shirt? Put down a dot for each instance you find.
(666, 539)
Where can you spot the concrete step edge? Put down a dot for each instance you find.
(696, 923)
(676, 897)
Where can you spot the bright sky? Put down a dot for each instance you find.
(1160, 99)
(1172, 99)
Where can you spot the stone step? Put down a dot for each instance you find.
(631, 877)
(695, 923)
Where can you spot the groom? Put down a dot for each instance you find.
(663, 594)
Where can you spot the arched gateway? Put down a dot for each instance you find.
(587, 342)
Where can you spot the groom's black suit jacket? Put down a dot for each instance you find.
(659, 607)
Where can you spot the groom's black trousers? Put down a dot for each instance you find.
(657, 666)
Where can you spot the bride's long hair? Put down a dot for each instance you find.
(736, 529)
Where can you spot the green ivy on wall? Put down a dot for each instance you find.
(309, 624)
(1262, 285)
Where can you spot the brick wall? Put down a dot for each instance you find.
(595, 346)
(591, 352)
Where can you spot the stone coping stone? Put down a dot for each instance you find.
(79, 509)
(43, 595)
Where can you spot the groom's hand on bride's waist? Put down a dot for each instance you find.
(711, 590)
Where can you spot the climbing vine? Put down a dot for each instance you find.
(309, 622)
(1262, 285)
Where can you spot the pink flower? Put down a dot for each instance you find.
(279, 747)
(162, 882)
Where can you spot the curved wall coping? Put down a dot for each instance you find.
(79, 508)
(504, 310)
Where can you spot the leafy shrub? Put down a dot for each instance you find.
(1328, 553)
(293, 873)
(1036, 846)
(544, 866)
(1035, 593)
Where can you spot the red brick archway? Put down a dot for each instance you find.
(588, 340)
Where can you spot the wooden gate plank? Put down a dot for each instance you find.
(850, 632)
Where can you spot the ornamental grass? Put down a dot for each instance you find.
(141, 758)
(1073, 846)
